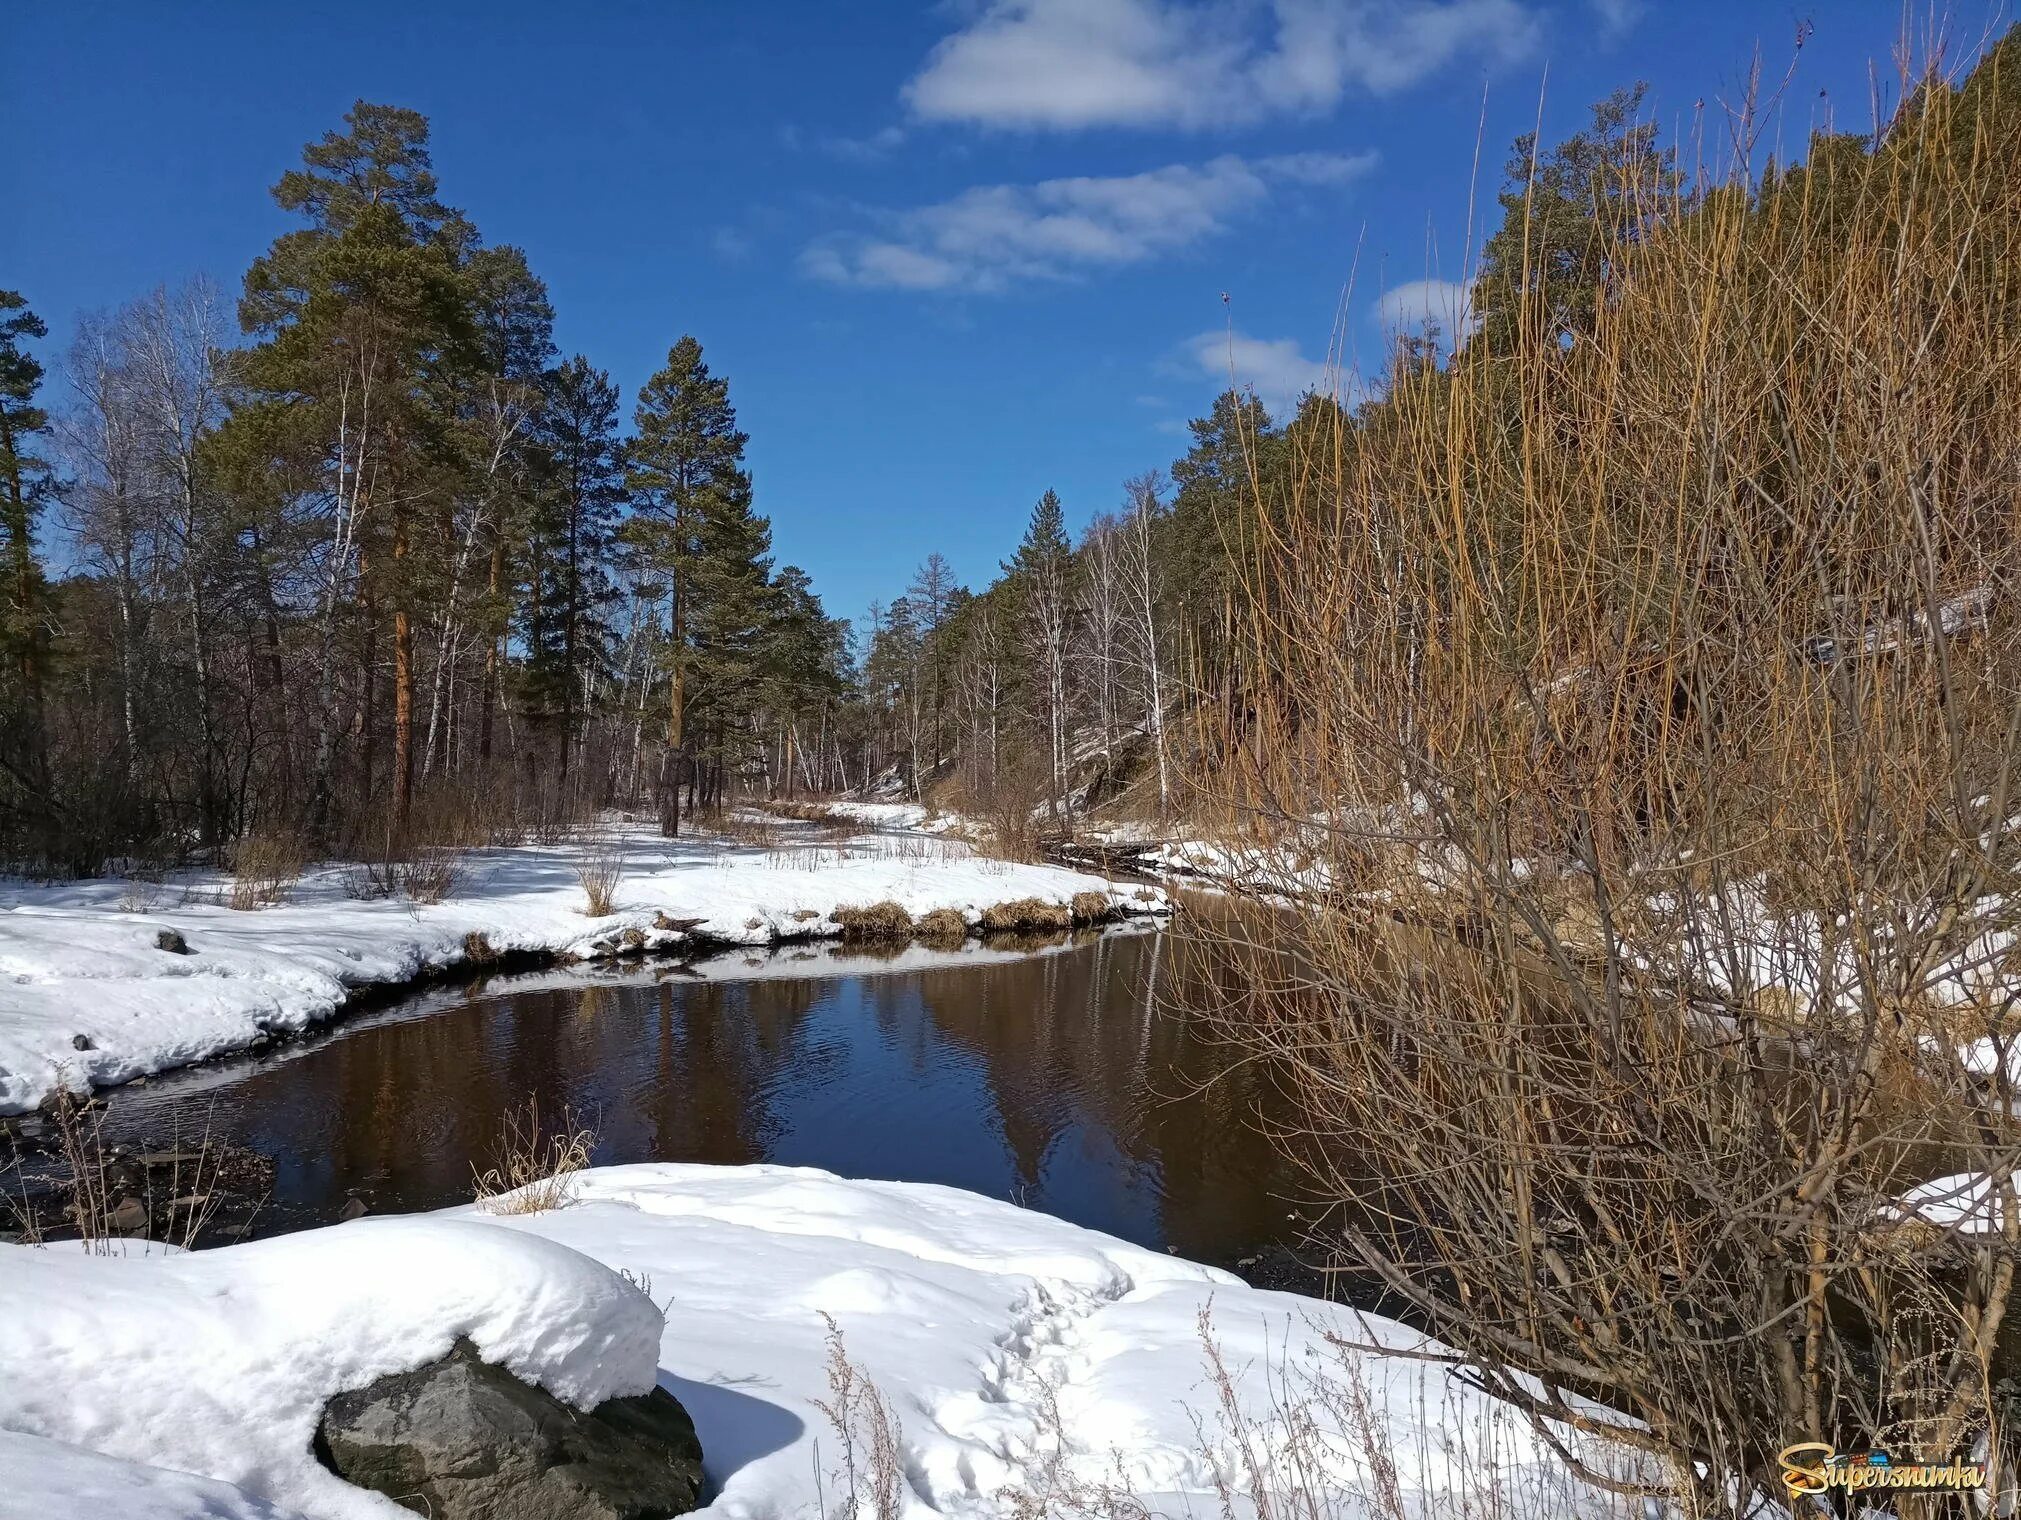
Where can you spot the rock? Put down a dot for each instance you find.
(171, 941)
(674, 925)
(81, 1042)
(354, 1208)
(460, 1439)
(128, 1216)
(162, 1161)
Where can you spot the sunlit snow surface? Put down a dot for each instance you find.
(975, 1318)
(80, 959)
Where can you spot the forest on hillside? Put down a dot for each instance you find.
(366, 562)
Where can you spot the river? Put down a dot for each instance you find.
(1063, 1076)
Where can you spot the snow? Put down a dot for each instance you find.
(47, 1478)
(1971, 1203)
(81, 959)
(1012, 1350)
(219, 1362)
(900, 815)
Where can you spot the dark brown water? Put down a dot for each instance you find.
(1064, 1078)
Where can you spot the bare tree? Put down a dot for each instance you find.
(1139, 573)
(1101, 598)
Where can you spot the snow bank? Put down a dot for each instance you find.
(80, 960)
(48, 1478)
(219, 1362)
(998, 1334)
(1007, 1344)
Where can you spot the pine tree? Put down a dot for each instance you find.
(1040, 571)
(574, 529)
(1561, 213)
(358, 315)
(933, 592)
(25, 487)
(690, 494)
(498, 397)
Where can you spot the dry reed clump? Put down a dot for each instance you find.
(1092, 908)
(533, 1166)
(265, 868)
(943, 927)
(884, 920)
(1026, 913)
(1670, 630)
(598, 870)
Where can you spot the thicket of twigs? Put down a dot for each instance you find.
(1645, 682)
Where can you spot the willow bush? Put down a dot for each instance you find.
(1646, 689)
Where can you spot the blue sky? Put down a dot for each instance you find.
(948, 255)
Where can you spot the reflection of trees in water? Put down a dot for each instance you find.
(1101, 1094)
(1100, 1036)
(677, 1069)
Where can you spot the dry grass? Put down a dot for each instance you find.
(265, 867)
(1092, 908)
(114, 1197)
(878, 921)
(943, 927)
(1025, 914)
(534, 1165)
(740, 826)
(1321, 1443)
(871, 1469)
(598, 871)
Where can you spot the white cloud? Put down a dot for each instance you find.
(1275, 368)
(1617, 17)
(730, 245)
(1063, 64)
(1410, 307)
(992, 236)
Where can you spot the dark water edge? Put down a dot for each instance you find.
(1064, 1076)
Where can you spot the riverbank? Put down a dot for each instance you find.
(1020, 1360)
(105, 980)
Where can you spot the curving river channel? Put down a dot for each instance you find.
(1063, 1076)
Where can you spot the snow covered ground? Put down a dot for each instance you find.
(88, 998)
(1013, 1351)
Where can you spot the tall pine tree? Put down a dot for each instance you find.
(356, 316)
(25, 486)
(689, 487)
(574, 528)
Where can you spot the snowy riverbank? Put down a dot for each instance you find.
(89, 996)
(1000, 1340)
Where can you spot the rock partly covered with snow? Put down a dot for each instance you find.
(219, 1363)
(89, 995)
(1014, 1353)
(463, 1439)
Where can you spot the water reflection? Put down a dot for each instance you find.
(1063, 1078)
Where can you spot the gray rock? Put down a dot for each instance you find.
(462, 1440)
(127, 1217)
(171, 941)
